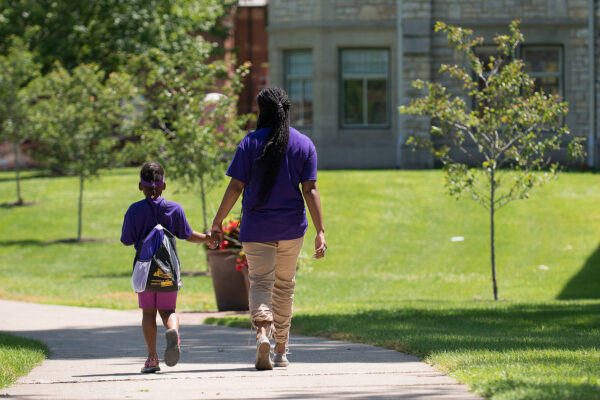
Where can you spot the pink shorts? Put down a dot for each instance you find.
(158, 300)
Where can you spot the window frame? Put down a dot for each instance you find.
(560, 75)
(365, 80)
(287, 81)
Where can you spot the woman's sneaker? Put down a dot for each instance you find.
(172, 352)
(151, 365)
(263, 354)
(280, 360)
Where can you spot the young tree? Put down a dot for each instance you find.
(509, 132)
(192, 125)
(78, 116)
(17, 70)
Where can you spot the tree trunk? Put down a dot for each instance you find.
(17, 163)
(203, 200)
(79, 212)
(492, 235)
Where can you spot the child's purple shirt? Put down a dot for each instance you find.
(282, 215)
(139, 220)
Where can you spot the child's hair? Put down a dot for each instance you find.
(152, 177)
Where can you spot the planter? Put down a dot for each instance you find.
(231, 287)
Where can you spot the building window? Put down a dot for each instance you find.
(544, 64)
(365, 77)
(299, 85)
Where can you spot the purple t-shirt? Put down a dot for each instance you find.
(282, 215)
(139, 220)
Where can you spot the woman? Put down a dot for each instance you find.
(270, 166)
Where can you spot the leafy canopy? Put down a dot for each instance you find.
(18, 69)
(105, 32)
(79, 116)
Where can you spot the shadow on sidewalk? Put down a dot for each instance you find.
(202, 344)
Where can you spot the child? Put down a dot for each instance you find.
(139, 221)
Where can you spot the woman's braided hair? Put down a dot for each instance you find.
(152, 172)
(274, 106)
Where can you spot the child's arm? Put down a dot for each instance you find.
(197, 237)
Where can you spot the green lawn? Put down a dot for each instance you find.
(18, 356)
(392, 276)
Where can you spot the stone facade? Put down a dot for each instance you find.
(326, 27)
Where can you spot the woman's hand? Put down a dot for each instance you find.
(216, 235)
(320, 245)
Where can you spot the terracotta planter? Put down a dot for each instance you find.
(231, 288)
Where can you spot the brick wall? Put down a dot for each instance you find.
(281, 11)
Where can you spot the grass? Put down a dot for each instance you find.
(503, 351)
(18, 356)
(92, 273)
(392, 276)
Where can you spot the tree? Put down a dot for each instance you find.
(105, 32)
(17, 70)
(191, 120)
(510, 131)
(78, 116)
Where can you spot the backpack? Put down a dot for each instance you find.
(156, 266)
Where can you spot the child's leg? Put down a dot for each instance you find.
(166, 303)
(149, 329)
(169, 318)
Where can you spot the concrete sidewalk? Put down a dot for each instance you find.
(97, 354)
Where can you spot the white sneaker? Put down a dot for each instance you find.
(280, 360)
(263, 354)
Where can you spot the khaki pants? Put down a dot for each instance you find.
(272, 274)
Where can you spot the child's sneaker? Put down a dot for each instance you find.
(172, 351)
(151, 365)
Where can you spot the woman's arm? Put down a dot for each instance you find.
(232, 193)
(313, 201)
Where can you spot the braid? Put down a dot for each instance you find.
(274, 107)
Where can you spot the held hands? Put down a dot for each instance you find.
(320, 245)
(215, 236)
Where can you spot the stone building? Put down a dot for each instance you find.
(348, 64)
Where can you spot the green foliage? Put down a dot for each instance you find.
(18, 356)
(105, 32)
(78, 116)
(192, 126)
(510, 131)
(17, 70)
